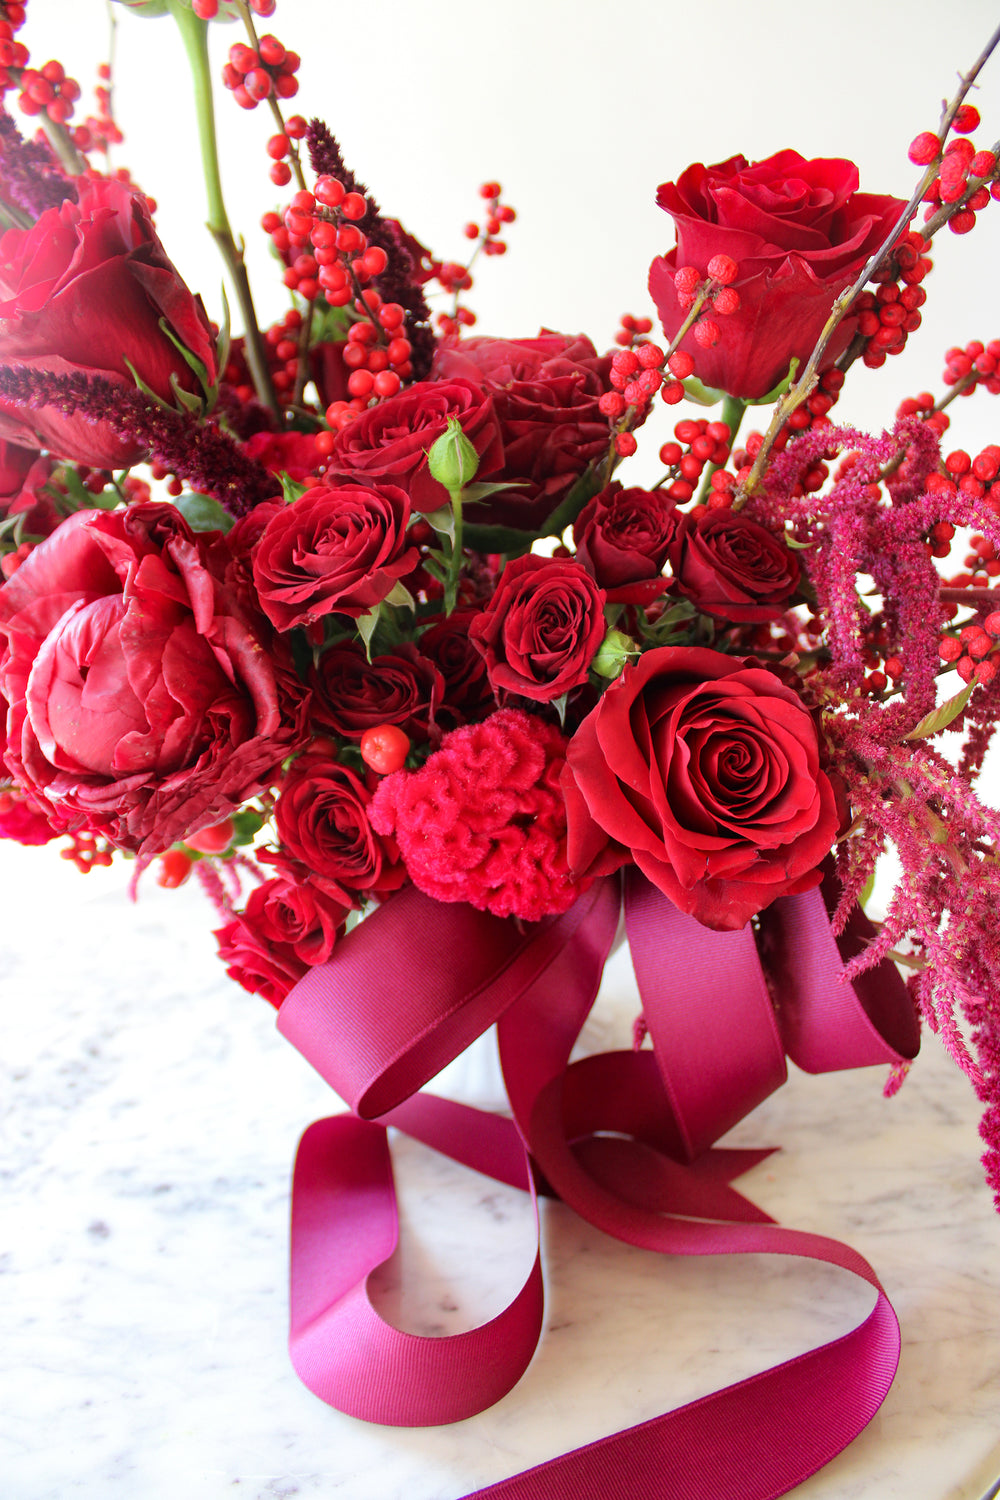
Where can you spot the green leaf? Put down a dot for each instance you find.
(474, 492)
(701, 395)
(223, 342)
(779, 390)
(559, 704)
(202, 513)
(191, 360)
(939, 718)
(290, 488)
(367, 625)
(247, 823)
(442, 521)
(400, 597)
(192, 404)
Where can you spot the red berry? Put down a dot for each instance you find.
(680, 364)
(212, 840)
(354, 206)
(966, 120)
(174, 868)
(723, 268)
(924, 148)
(706, 332)
(625, 444)
(385, 748)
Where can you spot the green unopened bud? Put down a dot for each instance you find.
(612, 654)
(453, 460)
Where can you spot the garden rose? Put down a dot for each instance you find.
(285, 930)
(337, 550)
(321, 815)
(142, 703)
(541, 630)
(467, 691)
(799, 231)
(388, 444)
(730, 566)
(622, 538)
(707, 769)
(352, 694)
(546, 393)
(82, 292)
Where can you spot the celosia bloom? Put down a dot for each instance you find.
(484, 821)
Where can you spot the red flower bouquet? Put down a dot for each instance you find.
(369, 625)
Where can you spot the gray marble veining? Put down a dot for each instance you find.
(150, 1114)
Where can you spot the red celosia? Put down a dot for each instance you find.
(484, 821)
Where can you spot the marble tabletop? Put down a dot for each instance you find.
(150, 1115)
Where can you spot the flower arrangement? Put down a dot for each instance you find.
(401, 644)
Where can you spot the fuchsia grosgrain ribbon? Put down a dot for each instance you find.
(623, 1138)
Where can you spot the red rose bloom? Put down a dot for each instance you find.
(23, 472)
(321, 815)
(351, 694)
(142, 704)
(622, 537)
(83, 291)
(467, 691)
(546, 393)
(291, 453)
(799, 231)
(707, 768)
(730, 566)
(388, 444)
(334, 550)
(285, 930)
(542, 628)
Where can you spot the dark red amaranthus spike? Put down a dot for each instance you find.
(30, 176)
(396, 283)
(199, 453)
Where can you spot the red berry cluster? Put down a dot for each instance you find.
(87, 850)
(966, 178)
(720, 296)
(976, 364)
(207, 10)
(699, 442)
(975, 477)
(814, 477)
(259, 73)
(971, 651)
(632, 331)
(49, 90)
(453, 277)
(99, 131)
(636, 376)
(13, 54)
(282, 146)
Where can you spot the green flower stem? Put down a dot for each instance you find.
(455, 561)
(194, 34)
(732, 414)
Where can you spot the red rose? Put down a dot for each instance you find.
(335, 550)
(83, 291)
(321, 815)
(23, 472)
(389, 442)
(352, 694)
(707, 768)
(291, 453)
(622, 537)
(541, 630)
(546, 393)
(799, 231)
(467, 691)
(142, 704)
(285, 930)
(730, 566)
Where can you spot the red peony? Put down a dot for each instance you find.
(388, 444)
(142, 703)
(730, 566)
(285, 930)
(799, 231)
(83, 291)
(335, 550)
(542, 628)
(484, 820)
(622, 537)
(546, 393)
(707, 769)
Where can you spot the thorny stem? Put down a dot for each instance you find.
(806, 383)
(194, 34)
